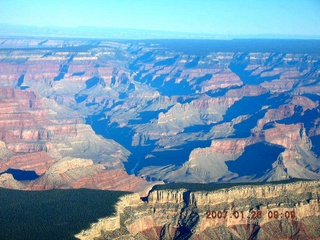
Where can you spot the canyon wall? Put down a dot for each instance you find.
(39, 135)
(269, 211)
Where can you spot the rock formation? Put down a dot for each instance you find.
(287, 210)
(39, 135)
(83, 173)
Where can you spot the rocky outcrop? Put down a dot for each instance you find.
(241, 212)
(111, 223)
(298, 148)
(7, 181)
(83, 173)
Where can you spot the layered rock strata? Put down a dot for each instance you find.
(39, 135)
(269, 211)
(178, 106)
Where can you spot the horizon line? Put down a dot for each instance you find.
(10, 30)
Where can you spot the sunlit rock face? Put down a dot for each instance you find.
(271, 211)
(39, 135)
(174, 111)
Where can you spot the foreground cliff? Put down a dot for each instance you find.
(268, 211)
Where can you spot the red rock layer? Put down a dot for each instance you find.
(34, 136)
(82, 173)
(230, 146)
(287, 135)
(24, 118)
(36, 161)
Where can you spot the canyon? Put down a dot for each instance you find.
(155, 111)
(144, 115)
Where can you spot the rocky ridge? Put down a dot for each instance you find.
(181, 214)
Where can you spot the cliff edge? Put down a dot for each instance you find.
(267, 211)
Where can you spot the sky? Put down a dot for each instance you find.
(225, 17)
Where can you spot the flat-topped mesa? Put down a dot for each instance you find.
(267, 191)
(171, 213)
(247, 90)
(230, 146)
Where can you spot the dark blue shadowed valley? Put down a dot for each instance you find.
(255, 160)
(137, 161)
(22, 175)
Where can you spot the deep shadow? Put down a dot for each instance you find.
(52, 214)
(22, 175)
(255, 160)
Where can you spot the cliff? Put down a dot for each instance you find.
(268, 211)
(37, 134)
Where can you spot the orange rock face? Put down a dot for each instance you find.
(83, 173)
(230, 146)
(35, 161)
(286, 135)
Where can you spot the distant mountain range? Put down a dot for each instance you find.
(124, 33)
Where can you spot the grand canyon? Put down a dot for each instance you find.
(130, 115)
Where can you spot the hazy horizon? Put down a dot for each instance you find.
(202, 19)
(128, 33)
